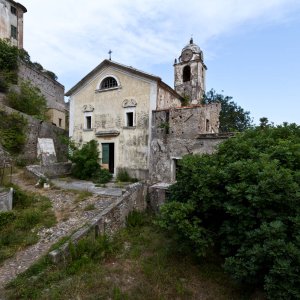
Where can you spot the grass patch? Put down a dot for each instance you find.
(19, 227)
(140, 262)
(90, 207)
(82, 195)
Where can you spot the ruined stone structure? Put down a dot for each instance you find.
(138, 120)
(11, 22)
(52, 90)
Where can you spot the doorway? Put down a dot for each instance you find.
(108, 156)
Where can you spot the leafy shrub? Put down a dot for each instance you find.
(102, 176)
(123, 175)
(86, 165)
(29, 100)
(135, 219)
(6, 217)
(12, 131)
(245, 201)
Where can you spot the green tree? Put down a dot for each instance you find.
(8, 65)
(232, 116)
(245, 201)
(28, 100)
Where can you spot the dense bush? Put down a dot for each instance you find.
(86, 165)
(28, 100)
(245, 201)
(12, 132)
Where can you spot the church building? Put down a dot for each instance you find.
(124, 109)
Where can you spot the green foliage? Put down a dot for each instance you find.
(12, 131)
(29, 100)
(232, 116)
(18, 228)
(244, 200)
(123, 175)
(6, 217)
(185, 100)
(102, 176)
(8, 56)
(139, 262)
(135, 219)
(86, 165)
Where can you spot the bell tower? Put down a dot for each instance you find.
(189, 73)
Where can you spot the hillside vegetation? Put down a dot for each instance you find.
(244, 203)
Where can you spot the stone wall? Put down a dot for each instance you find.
(40, 129)
(6, 199)
(179, 132)
(51, 89)
(50, 171)
(109, 221)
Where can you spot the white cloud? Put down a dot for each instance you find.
(71, 37)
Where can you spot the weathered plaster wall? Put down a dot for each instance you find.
(39, 129)
(109, 221)
(109, 118)
(166, 99)
(57, 117)
(7, 19)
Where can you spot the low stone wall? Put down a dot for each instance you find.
(49, 171)
(6, 199)
(157, 195)
(108, 221)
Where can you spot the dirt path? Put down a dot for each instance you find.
(69, 208)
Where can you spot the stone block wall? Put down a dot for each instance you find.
(110, 220)
(178, 132)
(40, 129)
(51, 89)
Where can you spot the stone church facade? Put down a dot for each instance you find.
(134, 115)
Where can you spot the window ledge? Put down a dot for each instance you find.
(88, 129)
(109, 89)
(129, 127)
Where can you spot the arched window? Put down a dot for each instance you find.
(108, 82)
(186, 73)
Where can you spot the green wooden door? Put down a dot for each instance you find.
(105, 153)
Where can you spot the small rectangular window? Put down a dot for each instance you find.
(13, 32)
(88, 122)
(59, 122)
(13, 10)
(207, 125)
(129, 116)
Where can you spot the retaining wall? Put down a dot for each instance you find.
(108, 221)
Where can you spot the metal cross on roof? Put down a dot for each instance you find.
(109, 52)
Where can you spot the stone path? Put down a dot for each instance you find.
(71, 215)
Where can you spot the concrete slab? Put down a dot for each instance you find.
(82, 185)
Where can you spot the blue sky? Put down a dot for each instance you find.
(251, 48)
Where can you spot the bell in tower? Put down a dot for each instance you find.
(189, 73)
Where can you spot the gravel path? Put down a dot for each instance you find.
(70, 214)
